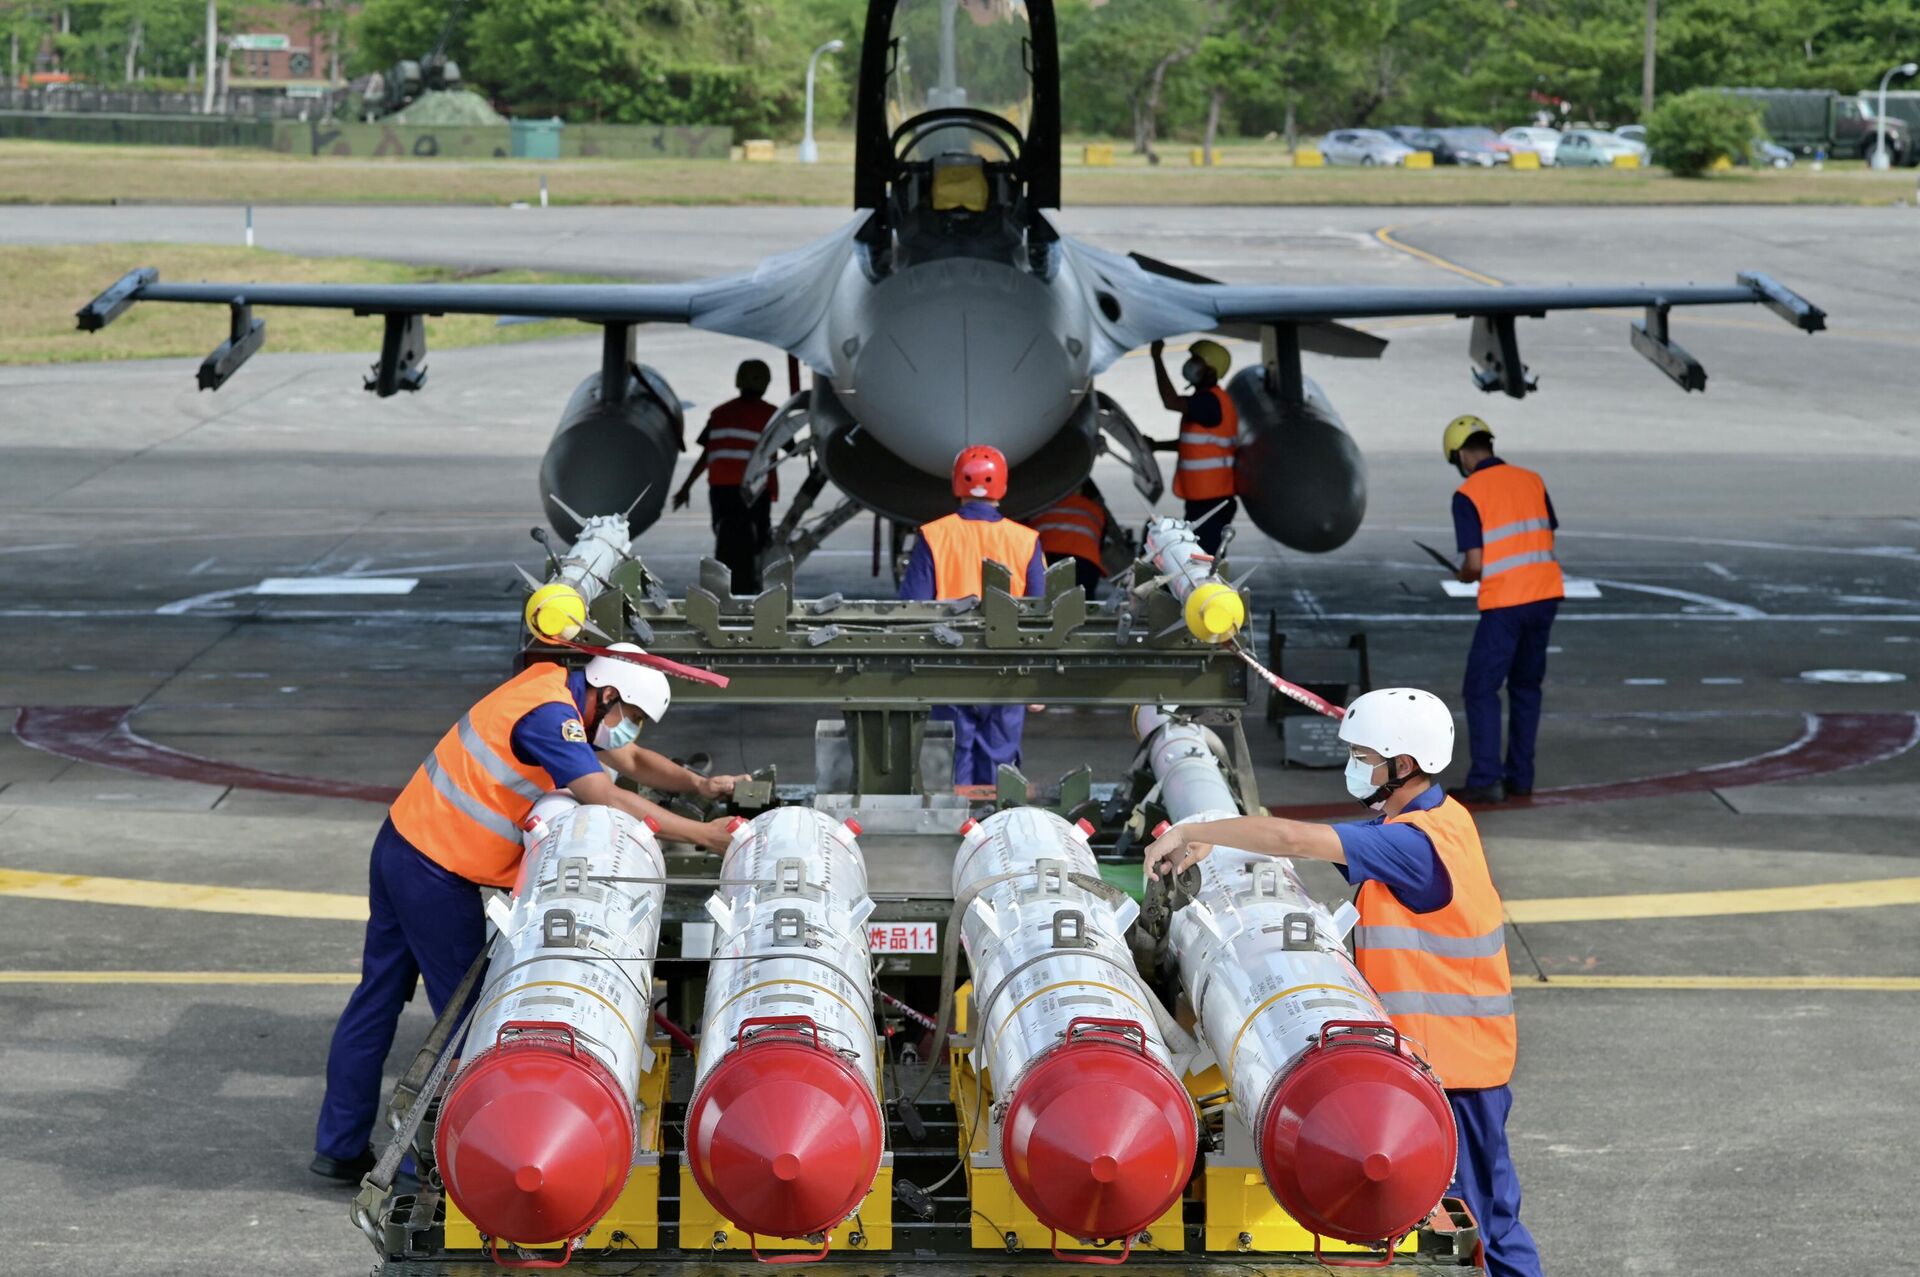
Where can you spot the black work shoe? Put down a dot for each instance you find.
(1482, 795)
(350, 1170)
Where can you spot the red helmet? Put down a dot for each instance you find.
(980, 472)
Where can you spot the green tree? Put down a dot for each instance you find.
(1690, 131)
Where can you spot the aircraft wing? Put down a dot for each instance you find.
(1138, 301)
(781, 302)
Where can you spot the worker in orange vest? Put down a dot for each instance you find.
(1432, 933)
(1209, 437)
(456, 828)
(742, 529)
(1073, 528)
(946, 564)
(1503, 524)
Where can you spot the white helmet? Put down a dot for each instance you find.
(643, 688)
(1402, 720)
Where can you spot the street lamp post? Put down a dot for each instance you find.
(809, 151)
(1881, 160)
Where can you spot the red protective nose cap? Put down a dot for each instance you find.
(1099, 1140)
(784, 1138)
(535, 1141)
(1358, 1142)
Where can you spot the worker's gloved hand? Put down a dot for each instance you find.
(716, 835)
(681, 498)
(1157, 349)
(718, 786)
(1174, 851)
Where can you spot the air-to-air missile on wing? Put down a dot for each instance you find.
(1119, 1074)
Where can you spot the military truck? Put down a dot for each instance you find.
(1843, 125)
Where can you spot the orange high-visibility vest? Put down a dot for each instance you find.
(464, 805)
(1205, 468)
(1072, 525)
(1516, 537)
(732, 430)
(959, 546)
(1443, 975)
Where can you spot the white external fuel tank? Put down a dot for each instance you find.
(784, 1133)
(1356, 1138)
(1097, 1133)
(535, 1138)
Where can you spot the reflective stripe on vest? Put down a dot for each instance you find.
(1443, 975)
(1073, 526)
(1204, 471)
(732, 431)
(1517, 564)
(959, 547)
(463, 806)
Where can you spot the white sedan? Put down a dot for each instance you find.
(1364, 147)
(1544, 143)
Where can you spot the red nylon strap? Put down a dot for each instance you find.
(692, 673)
(1293, 691)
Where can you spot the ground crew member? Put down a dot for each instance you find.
(456, 828)
(1503, 524)
(1073, 528)
(1209, 434)
(1432, 932)
(946, 564)
(741, 529)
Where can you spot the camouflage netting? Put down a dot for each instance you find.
(446, 107)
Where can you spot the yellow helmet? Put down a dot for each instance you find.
(1458, 431)
(556, 611)
(1213, 355)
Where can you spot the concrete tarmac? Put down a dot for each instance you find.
(1707, 1083)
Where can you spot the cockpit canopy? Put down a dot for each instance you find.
(959, 53)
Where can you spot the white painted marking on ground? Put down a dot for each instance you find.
(1644, 682)
(1852, 676)
(1723, 682)
(1744, 611)
(305, 585)
(202, 565)
(34, 549)
(1718, 570)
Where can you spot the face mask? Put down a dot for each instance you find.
(612, 735)
(1360, 779)
(1192, 371)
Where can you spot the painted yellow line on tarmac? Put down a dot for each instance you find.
(1782, 983)
(1714, 904)
(261, 901)
(267, 902)
(179, 977)
(1385, 236)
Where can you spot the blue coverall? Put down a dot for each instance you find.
(424, 922)
(1402, 858)
(984, 736)
(1509, 646)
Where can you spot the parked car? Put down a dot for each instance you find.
(1449, 147)
(1484, 139)
(1405, 133)
(1590, 148)
(1766, 154)
(1541, 141)
(1364, 147)
(1635, 136)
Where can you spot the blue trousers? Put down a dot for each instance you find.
(1509, 646)
(423, 922)
(984, 736)
(1484, 1179)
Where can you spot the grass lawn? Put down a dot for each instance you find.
(1247, 173)
(41, 287)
